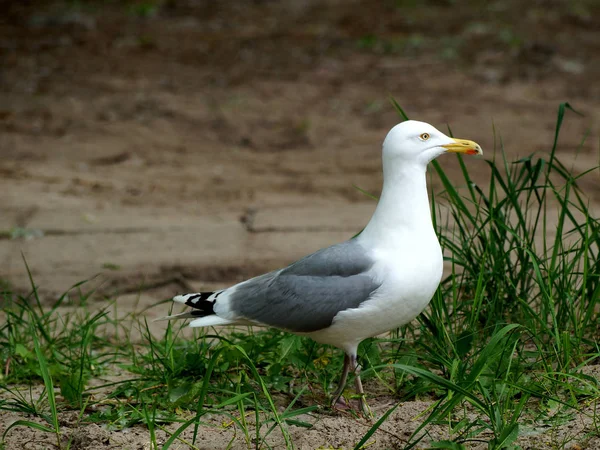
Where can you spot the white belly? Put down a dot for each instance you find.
(408, 284)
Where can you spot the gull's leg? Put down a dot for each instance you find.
(340, 389)
(364, 407)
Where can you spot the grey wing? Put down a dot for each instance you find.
(307, 295)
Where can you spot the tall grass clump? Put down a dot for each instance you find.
(516, 318)
(525, 250)
(61, 353)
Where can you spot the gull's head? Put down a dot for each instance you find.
(419, 142)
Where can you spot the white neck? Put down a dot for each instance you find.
(403, 206)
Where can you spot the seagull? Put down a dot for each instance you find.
(373, 283)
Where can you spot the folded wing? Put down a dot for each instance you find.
(307, 295)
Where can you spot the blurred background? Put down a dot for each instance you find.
(180, 144)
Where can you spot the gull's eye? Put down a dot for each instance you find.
(424, 136)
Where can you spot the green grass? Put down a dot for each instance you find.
(499, 352)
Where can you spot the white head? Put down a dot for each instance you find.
(418, 142)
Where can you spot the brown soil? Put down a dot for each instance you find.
(170, 145)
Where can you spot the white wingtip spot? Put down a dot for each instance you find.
(181, 298)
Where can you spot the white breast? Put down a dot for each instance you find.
(410, 273)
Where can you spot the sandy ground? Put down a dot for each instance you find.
(204, 143)
(328, 432)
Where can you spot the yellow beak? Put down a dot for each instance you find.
(464, 146)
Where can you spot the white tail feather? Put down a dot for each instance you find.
(210, 321)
